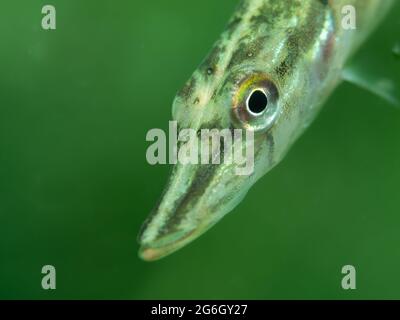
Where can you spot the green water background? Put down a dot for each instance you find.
(75, 106)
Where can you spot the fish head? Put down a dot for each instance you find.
(239, 125)
(242, 96)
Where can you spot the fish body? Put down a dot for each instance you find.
(291, 51)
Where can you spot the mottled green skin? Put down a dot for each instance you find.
(297, 45)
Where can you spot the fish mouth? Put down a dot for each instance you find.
(183, 213)
(195, 199)
(159, 249)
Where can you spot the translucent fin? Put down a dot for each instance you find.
(380, 86)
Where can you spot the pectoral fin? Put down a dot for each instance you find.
(381, 86)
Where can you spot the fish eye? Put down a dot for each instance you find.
(257, 102)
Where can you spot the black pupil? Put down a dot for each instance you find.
(258, 102)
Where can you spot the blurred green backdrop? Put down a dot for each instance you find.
(75, 106)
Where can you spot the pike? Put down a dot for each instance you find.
(270, 72)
